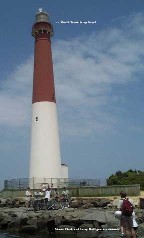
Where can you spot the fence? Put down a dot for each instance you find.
(84, 191)
(37, 183)
(131, 190)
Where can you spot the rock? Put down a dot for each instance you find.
(17, 204)
(5, 221)
(87, 230)
(111, 221)
(12, 214)
(58, 220)
(14, 219)
(51, 226)
(23, 221)
(32, 222)
(96, 215)
(3, 202)
(2, 216)
(41, 223)
(14, 223)
(76, 203)
(86, 226)
(4, 224)
(21, 200)
(104, 202)
(28, 229)
(8, 202)
(140, 216)
(96, 225)
(141, 230)
(95, 203)
(115, 203)
(65, 230)
(87, 205)
(69, 209)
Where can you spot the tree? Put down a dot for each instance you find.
(126, 178)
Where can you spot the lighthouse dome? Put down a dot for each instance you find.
(42, 16)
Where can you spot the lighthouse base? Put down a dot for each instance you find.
(39, 182)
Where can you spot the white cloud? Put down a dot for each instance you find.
(86, 69)
(15, 96)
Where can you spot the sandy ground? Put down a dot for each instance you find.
(134, 198)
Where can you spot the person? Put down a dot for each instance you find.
(135, 224)
(38, 200)
(28, 198)
(65, 193)
(56, 195)
(47, 195)
(51, 185)
(65, 197)
(44, 187)
(118, 215)
(126, 221)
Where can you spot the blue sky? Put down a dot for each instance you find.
(99, 84)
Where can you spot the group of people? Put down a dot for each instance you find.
(126, 215)
(47, 197)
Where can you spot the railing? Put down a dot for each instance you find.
(37, 183)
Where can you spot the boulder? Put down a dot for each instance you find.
(5, 221)
(3, 202)
(58, 220)
(87, 205)
(96, 225)
(76, 203)
(12, 214)
(14, 223)
(141, 230)
(115, 203)
(2, 216)
(28, 229)
(95, 215)
(3, 225)
(23, 221)
(21, 200)
(87, 230)
(104, 202)
(51, 226)
(32, 221)
(65, 230)
(69, 209)
(111, 221)
(95, 203)
(41, 223)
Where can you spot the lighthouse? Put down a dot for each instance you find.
(45, 158)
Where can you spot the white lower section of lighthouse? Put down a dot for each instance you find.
(45, 160)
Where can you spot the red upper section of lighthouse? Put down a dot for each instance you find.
(43, 79)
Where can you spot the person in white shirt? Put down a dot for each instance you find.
(28, 197)
(47, 195)
(65, 194)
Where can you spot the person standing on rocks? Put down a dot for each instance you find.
(47, 196)
(65, 193)
(56, 195)
(65, 198)
(126, 206)
(28, 198)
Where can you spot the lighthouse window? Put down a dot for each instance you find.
(36, 118)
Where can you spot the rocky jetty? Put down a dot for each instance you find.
(92, 217)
